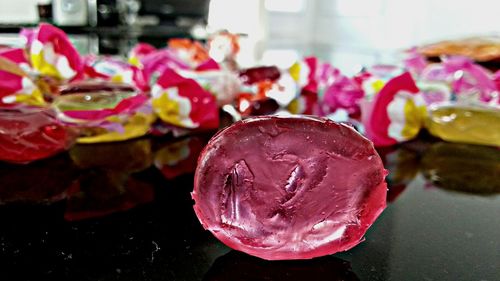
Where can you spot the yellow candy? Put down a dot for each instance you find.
(472, 124)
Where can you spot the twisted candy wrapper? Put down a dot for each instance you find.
(324, 89)
(398, 113)
(52, 54)
(16, 87)
(181, 54)
(183, 103)
(414, 62)
(224, 47)
(224, 85)
(138, 52)
(190, 60)
(306, 73)
(154, 63)
(49, 58)
(264, 88)
(395, 115)
(193, 53)
(343, 93)
(467, 81)
(308, 87)
(114, 70)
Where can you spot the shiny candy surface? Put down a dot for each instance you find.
(31, 134)
(289, 187)
(466, 124)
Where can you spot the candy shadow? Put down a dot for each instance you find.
(242, 267)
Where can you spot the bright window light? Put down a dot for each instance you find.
(282, 58)
(357, 8)
(285, 6)
(237, 16)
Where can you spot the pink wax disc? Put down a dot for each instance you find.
(289, 187)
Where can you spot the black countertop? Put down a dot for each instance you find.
(164, 30)
(123, 212)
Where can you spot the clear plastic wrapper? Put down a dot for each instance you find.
(400, 110)
(104, 115)
(49, 59)
(114, 70)
(467, 80)
(183, 103)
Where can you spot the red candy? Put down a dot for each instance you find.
(253, 75)
(29, 135)
(289, 187)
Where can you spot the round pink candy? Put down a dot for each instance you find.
(289, 187)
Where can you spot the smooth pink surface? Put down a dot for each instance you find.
(289, 187)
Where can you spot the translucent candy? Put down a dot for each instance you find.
(27, 135)
(289, 187)
(105, 111)
(474, 124)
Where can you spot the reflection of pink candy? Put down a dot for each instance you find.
(179, 157)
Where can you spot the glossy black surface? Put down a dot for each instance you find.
(123, 212)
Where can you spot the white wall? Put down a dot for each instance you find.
(355, 33)
(18, 11)
(386, 24)
(454, 18)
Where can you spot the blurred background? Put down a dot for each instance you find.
(349, 33)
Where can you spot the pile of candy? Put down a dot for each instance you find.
(52, 97)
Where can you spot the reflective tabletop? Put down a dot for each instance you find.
(123, 211)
